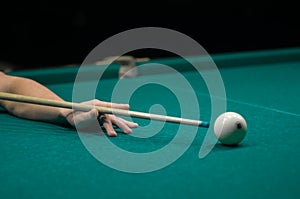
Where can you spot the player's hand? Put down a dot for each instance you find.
(85, 119)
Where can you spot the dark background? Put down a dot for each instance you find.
(48, 35)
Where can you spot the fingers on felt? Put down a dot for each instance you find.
(123, 126)
(128, 123)
(109, 128)
(109, 120)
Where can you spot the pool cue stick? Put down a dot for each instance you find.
(101, 109)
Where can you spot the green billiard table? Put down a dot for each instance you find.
(43, 160)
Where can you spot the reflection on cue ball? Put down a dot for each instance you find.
(230, 128)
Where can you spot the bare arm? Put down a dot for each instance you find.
(24, 86)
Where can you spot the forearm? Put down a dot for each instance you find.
(84, 120)
(23, 86)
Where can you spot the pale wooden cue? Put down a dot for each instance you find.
(81, 107)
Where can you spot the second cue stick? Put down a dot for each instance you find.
(101, 109)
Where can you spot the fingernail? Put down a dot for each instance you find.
(128, 131)
(113, 134)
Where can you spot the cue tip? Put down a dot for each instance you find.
(205, 124)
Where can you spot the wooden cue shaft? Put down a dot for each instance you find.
(82, 107)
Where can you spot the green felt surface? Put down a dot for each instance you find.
(40, 160)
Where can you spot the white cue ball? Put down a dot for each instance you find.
(230, 128)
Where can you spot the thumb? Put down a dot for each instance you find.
(82, 119)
